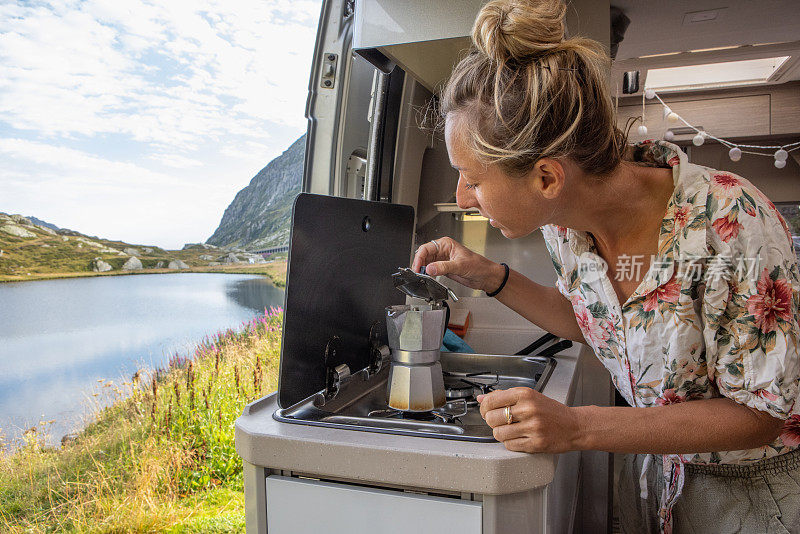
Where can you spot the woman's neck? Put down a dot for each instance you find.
(623, 211)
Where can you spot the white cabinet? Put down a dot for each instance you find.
(305, 506)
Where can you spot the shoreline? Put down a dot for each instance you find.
(160, 455)
(258, 269)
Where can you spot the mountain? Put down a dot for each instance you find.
(259, 215)
(39, 222)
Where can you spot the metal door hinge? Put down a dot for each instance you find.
(328, 72)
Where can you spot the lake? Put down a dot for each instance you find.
(58, 338)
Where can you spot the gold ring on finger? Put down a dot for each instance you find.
(508, 414)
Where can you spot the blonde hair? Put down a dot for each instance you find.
(530, 93)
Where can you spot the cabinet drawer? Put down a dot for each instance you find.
(301, 506)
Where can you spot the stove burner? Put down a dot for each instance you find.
(457, 387)
(450, 413)
(456, 391)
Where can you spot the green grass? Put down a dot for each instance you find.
(49, 256)
(161, 458)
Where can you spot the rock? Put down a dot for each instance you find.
(254, 258)
(19, 219)
(80, 245)
(161, 265)
(213, 263)
(177, 264)
(133, 264)
(131, 251)
(45, 229)
(200, 246)
(206, 257)
(17, 231)
(64, 238)
(229, 258)
(147, 250)
(99, 266)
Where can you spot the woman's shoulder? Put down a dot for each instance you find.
(737, 211)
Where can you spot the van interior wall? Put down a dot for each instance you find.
(527, 255)
(780, 185)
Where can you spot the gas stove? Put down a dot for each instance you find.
(356, 355)
(360, 400)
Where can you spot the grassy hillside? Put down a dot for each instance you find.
(42, 253)
(161, 458)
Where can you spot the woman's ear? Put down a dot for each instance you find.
(549, 177)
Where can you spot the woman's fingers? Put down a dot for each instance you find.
(495, 418)
(518, 444)
(437, 268)
(428, 252)
(499, 399)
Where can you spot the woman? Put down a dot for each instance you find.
(700, 340)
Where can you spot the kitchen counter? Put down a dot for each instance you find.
(396, 460)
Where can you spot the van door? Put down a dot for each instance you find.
(352, 123)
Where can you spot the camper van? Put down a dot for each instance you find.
(323, 454)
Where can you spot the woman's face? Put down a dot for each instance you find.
(513, 205)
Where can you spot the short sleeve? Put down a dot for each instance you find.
(750, 305)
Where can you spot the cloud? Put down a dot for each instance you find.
(174, 93)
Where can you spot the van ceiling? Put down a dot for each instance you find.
(695, 32)
(659, 27)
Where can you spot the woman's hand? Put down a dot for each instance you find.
(540, 424)
(452, 259)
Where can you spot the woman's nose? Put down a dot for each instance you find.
(465, 198)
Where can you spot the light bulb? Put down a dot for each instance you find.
(642, 129)
(649, 94)
(667, 111)
(668, 135)
(780, 163)
(781, 155)
(672, 116)
(698, 139)
(735, 153)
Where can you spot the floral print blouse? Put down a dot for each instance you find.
(715, 314)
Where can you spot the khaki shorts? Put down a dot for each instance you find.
(762, 497)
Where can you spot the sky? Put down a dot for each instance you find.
(140, 120)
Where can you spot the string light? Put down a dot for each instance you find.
(780, 154)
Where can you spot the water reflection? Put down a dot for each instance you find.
(58, 337)
(253, 293)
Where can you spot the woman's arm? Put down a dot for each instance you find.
(543, 306)
(544, 425)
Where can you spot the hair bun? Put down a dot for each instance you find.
(518, 29)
